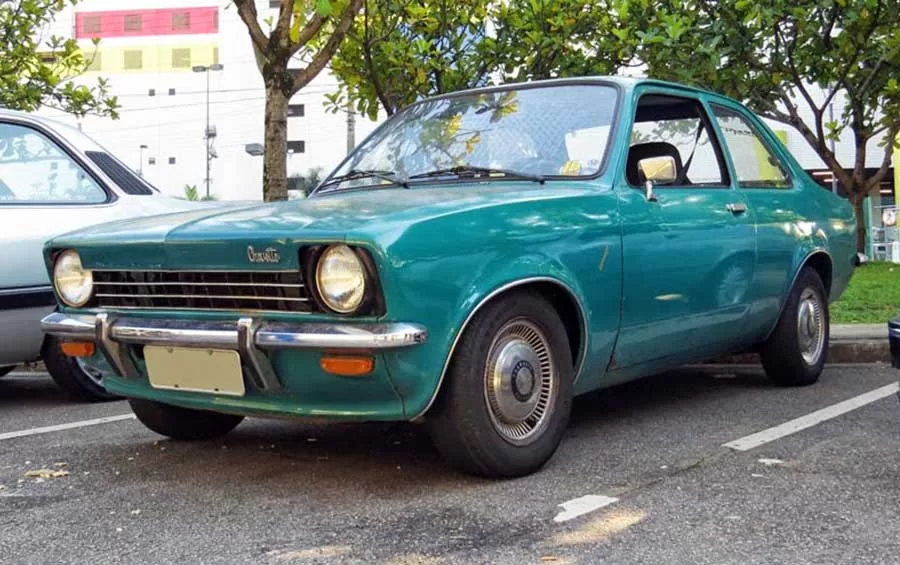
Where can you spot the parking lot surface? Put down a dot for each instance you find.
(644, 476)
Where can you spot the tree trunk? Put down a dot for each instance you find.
(858, 200)
(275, 156)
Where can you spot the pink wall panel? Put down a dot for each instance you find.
(153, 22)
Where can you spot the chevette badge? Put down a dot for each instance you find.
(269, 255)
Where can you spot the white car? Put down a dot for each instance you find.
(55, 179)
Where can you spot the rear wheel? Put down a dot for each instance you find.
(795, 353)
(505, 405)
(183, 423)
(78, 381)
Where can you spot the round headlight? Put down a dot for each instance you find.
(341, 279)
(74, 284)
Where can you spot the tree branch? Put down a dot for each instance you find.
(324, 55)
(309, 31)
(247, 12)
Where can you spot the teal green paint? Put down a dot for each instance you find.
(658, 285)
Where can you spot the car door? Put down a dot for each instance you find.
(689, 254)
(44, 191)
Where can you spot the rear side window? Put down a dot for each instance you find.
(755, 164)
(34, 170)
(124, 179)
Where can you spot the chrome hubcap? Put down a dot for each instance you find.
(810, 326)
(519, 381)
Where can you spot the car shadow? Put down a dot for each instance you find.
(37, 390)
(382, 458)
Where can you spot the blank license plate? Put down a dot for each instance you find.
(197, 370)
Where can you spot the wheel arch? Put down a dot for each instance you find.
(818, 259)
(559, 294)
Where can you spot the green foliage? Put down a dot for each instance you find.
(191, 193)
(873, 296)
(769, 54)
(37, 71)
(400, 50)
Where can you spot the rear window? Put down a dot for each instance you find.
(129, 182)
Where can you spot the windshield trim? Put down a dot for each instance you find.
(604, 161)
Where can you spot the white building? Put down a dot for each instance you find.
(147, 52)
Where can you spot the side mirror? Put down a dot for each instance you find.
(657, 171)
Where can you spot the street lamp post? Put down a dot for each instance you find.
(141, 164)
(208, 135)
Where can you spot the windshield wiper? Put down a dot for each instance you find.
(463, 171)
(354, 174)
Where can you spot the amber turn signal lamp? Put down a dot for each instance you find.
(347, 366)
(77, 348)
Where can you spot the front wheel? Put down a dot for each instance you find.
(183, 423)
(78, 381)
(795, 353)
(505, 405)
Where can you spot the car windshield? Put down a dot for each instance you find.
(530, 133)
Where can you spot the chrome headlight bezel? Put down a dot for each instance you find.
(358, 294)
(76, 296)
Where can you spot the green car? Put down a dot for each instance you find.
(478, 261)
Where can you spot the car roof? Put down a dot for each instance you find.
(72, 135)
(625, 82)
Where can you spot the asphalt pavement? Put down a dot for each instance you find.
(645, 475)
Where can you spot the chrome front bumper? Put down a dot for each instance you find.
(248, 336)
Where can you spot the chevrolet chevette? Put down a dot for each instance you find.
(475, 263)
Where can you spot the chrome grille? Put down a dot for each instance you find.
(281, 291)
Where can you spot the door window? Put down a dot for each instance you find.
(678, 127)
(33, 169)
(755, 165)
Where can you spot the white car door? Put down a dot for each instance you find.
(44, 192)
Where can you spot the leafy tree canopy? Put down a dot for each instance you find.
(37, 70)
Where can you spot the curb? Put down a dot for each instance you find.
(840, 350)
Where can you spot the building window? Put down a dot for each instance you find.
(296, 146)
(91, 24)
(134, 59)
(296, 110)
(181, 21)
(171, 160)
(151, 92)
(181, 58)
(151, 160)
(134, 22)
(95, 62)
(274, 3)
(171, 92)
(49, 59)
(215, 57)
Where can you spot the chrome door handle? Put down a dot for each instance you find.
(736, 208)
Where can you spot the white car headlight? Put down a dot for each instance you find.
(73, 283)
(341, 279)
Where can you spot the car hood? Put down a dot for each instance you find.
(357, 215)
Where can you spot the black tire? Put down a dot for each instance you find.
(71, 377)
(6, 370)
(782, 354)
(183, 423)
(463, 424)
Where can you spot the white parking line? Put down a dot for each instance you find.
(582, 505)
(793, 426)
(69, 426)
